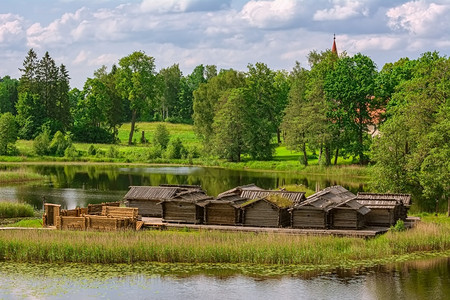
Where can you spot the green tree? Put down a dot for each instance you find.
(8, 94)
(170, 79)
(41, 143)
(136, 83)
(8, 132)
(349, 89)
(206, 102)
(230, 125)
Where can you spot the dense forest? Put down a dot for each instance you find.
(396, 119)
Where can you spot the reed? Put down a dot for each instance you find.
(217, 247)
(15, 210)
(19, 175)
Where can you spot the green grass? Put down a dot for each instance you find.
(31, 223)
(221, 247)
(14, 210)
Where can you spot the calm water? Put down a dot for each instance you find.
(74, 186)
(426, 279)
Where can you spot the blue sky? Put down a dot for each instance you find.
(86, 34)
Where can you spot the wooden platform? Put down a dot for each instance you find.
(368, 232)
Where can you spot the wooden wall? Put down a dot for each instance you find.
(221, 214)
(147, 208)
(309, 218)
(262, 214)
(381, 217)
(346, 218)
(182, 212)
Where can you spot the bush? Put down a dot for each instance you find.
(113, 152)
(41, 143)
(92, 150)
(60, 143)
(176, 150)
(155, 152)
(399, 226)
(71, 152)
(162, 136)
(14, 210)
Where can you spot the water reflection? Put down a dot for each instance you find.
(72, 185)
(427, 279)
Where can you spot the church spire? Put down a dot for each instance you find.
(334, 48)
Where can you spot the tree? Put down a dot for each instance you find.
(261, 97)
(206, 102)
(169, 90)
(349, 89)
(136, 83)
(8, 132)
(231, 125)
(8, 94)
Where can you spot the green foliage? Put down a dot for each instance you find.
(41, 144)
(161, 137)
(176, 149)
(60, 143)
(398, 227)
(92, 150)
(113, 152)
(71, 152)
(8, 95)
(14, 210)
(8, 133)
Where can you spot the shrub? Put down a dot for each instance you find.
(113, 152)
(92, 150)
(71, 152)
(60, 143)
(155, 152)
(162, 136)
(41, 143)
(176, 150)
(399, 226)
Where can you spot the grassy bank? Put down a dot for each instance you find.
(433, 234)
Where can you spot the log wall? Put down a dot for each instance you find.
(182, 212)
(309, 218)
(147, 208)
(221, 214)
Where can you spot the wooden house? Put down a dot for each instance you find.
(385, 209)
(269, 211)
(313, 212)
(146, 198)
(348, 215)
(222, 212)
(238, 190)
(185, 207)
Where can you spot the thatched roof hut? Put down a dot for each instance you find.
(146, 198)
(185, 207)
(269, 211)
(348, 215)
(386, 209)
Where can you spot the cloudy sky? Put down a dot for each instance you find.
(86, 34)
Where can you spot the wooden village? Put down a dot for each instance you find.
(331, 211)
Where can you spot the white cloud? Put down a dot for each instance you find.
(420, 17)
(179, 6)
(11, 28)
(341, 10)
(269, 14)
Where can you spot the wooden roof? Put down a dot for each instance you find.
(156, 192)
(191, 196)
(328, 197)
(294, 197)
(274, 202)
(354, 205)
(375, 198)
(239, 189)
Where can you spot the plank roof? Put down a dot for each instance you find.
(353, 204)
(150, 193)
(294, 197)
(328, 198)
(239, 189)
(405, 199)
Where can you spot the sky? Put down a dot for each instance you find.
(86, 34)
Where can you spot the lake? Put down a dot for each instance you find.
(79, 185)
(422, 279)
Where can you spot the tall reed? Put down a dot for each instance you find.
(14, 210)
(215, 247)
